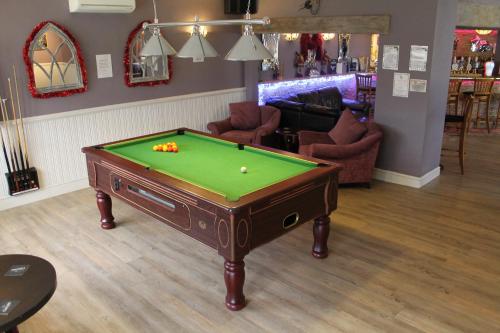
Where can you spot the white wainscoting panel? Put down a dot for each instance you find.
(55, 141)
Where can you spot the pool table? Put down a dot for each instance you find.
(202, 191)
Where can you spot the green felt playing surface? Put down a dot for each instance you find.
(213, 164)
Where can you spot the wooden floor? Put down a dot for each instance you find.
(402, 260)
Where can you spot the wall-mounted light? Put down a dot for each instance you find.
(328, 36)
(374, 49)
(202, 30)
(483, 31)
(290, 37)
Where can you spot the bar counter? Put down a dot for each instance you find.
(468, 86)
(346, 83)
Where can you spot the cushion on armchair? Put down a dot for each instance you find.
(245, 115)
(348, 130)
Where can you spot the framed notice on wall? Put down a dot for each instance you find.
(390, 58)
(417, 85)
(401, 84)
(418, 58)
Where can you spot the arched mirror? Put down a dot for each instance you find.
(53, 61)
(144, 71)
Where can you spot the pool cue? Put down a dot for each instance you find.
(5, 122)
(18, 135)
(16, 124)
(13, 161)
(21, 119)
(11, 175)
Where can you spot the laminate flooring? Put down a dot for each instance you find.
(401, 260)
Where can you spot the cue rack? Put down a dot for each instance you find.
(21, 177)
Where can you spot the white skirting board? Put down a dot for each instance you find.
(406, 180)
(55, 141)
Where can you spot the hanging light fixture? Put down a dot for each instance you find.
(197, 46)
(248, 47)
(157, 45)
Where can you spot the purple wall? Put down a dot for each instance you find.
(107, 33)
(412, 126)
(444, 34)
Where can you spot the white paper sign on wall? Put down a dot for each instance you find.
(401, 85)
(104, 66)
(417, 85)
(390, 58)
(418, 58)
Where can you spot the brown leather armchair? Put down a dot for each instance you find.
(248, 123)
(358, 158)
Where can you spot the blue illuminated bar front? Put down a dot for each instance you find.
(346, 83)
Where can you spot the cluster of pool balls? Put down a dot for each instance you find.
(170, 147)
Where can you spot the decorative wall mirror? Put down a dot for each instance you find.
(54, 62)
(312, 45)
(271, 42)
(344, 41)
(144, 71)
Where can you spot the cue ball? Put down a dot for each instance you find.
(243, 169)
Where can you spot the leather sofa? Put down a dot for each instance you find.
(317, 110)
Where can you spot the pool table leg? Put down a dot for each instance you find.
(321, 230)
(104, 204)
(234, 276)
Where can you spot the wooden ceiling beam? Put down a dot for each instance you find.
(372, 24)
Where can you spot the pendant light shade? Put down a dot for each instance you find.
(157, 46)
(197, 47)
(248, 48)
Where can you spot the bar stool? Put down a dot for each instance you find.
(364, 86)
(498, 115)
(453, 95)
(464, 122)
(482, 94)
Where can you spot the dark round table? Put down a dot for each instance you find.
(27, 293)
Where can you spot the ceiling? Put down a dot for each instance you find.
(485, 2)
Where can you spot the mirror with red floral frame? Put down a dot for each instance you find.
(54, 62)
(144, 71)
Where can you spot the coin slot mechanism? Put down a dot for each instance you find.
(150, 196)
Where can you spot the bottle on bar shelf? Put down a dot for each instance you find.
(488, 68)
